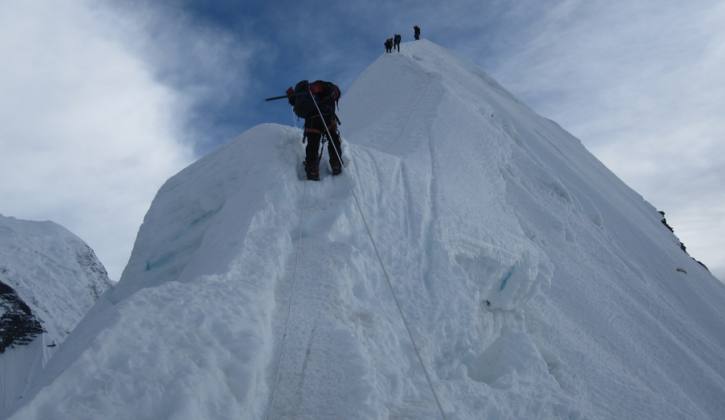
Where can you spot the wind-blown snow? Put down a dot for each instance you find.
(58, 277)
(535, 283)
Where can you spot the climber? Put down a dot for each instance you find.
(326, 95)
(416, 32)
(388, 45)
(396, 41)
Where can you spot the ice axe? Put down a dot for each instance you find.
(274, 98)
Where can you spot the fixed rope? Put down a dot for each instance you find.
(382, 265)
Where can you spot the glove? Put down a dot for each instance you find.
(290, 92)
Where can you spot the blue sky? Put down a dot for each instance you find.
(281, 42)
(117, 96)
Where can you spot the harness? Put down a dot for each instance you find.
(332, 126)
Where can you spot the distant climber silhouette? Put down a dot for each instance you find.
(416, 32)
(326, 94)
(388, 45)
(396, 41)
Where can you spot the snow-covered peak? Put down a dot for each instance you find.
(399, 84)
(52, 270)
(49, 279)
(473, 261)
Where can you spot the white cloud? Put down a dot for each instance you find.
(641, 84)
(87, 135)
(208, 64)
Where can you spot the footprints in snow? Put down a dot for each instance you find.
(323, 204)
(321, 368)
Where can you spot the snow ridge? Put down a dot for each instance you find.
(535, 283)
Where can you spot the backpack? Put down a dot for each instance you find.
(303, 106)
(326, 95)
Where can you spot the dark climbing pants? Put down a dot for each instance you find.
(314, 130)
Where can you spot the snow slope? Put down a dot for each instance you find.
(51, 279)
(527, 280)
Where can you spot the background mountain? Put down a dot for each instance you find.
(49, 279)
(473, 261)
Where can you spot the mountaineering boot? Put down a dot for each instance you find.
(335, 162)
(312, 170)
(336, 169)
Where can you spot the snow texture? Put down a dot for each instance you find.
(49, 279)
(535, 283)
